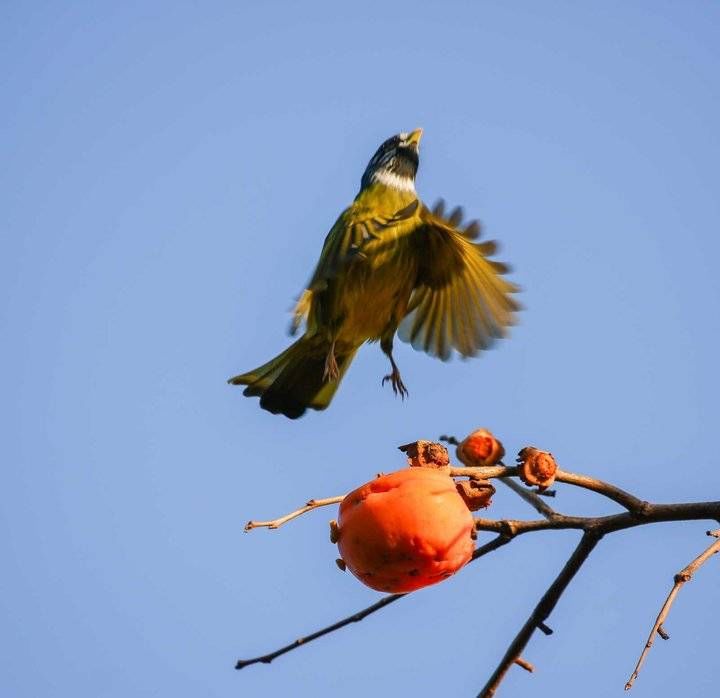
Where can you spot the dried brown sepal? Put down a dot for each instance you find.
(341, 564)
(477, 494)
(426, 454)
(536, 467)
(480, 448)
(334, 531)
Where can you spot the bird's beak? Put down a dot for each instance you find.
(415, 136)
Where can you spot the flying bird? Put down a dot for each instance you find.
(389, 264)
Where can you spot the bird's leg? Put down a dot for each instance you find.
(386, 344)
(332, 371)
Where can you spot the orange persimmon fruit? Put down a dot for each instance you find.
(405, 530)
(481, 448)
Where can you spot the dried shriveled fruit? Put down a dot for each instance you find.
(426, 454)
(480, 448)
(536, 467)
(477, 494)
(405, 530)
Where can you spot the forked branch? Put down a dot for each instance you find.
(541, 612)
(637, 513)
(683, 576)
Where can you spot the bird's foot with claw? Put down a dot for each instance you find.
(397, 385)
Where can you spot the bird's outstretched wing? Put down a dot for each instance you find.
(345, 243)
(462, 301)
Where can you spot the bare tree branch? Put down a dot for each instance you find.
(685, 575)
(355, 617)
(652, 513)
(638, 513)
(532, 498)
(624, 499)
(276, 523)
(542, 611)
(594, 528)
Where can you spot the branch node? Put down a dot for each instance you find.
(544, 628)
(643, 510)
(682, 577)
(508, 528)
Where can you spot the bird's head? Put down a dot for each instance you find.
(395, 163)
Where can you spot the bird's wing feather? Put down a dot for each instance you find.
(461, 300)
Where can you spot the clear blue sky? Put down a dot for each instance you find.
(169, 173)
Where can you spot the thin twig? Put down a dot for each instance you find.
(483, 472)
(312, 504)
(532, 498)
(685, 575)
(541, 612)
(494, 544)
(355, 617)
(267, 658)
(525, 664)
(621, 497)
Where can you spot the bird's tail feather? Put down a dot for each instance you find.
(295, 379)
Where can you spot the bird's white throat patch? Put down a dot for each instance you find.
(394, 180)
